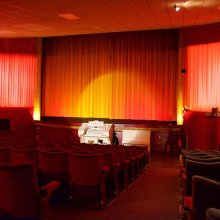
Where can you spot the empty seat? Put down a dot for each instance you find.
(88, 178)
(20, 155)
(20, 195)
(205, 194)
(209, 170)
(212, 214)
(5, 155)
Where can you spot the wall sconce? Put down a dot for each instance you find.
(177, 8)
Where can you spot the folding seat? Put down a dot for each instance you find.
(48, 145)
(214, 153)
(136, 159)
(5, 155)
(54, 167)
(205, 194)
(131, 163)
(211, 159)
(207, 158)
(74, 149)
(20, 155)
(212, 214)
(140, 155)
(146, 157)
(20, 195)
(88, 178)
(193, 153)
(122, 168)
(112, 179)
(209, 170)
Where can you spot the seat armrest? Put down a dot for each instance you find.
(117, 165)
(49, 188)
(126, 161)
(105, 169)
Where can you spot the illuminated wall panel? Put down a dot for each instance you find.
(202, 80)
(18, 65)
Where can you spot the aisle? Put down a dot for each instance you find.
(152, 196)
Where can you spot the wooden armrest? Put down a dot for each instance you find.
(49, 188)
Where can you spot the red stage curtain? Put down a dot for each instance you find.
(202, 80)
(18, 66)
(121, 75)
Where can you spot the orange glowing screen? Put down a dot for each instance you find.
(121, 75)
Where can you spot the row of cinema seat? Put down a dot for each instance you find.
(199, 189)
(89, 175)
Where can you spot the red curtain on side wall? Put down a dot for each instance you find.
(202, 86)
(202, 80)
(18, 66)
(122, 75)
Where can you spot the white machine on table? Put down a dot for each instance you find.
(138, 137)
(96, 132)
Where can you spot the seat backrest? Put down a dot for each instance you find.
(19, 192)
(212, 214)
(205, 194)
(25, 155)
(85, 169)
(202, 159)
(5, 155)
(107, 159)
(53, 161)
(210, 170)
(196, 157)
(120, 156)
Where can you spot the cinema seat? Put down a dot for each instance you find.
(88, 178)
(212, 214)
(209, 170)
(54, 167)
(5, 155)
(205, 194)
(112, 178)
(20, 155)
(21, 198)
(122, 169)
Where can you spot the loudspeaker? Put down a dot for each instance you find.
(183, 70)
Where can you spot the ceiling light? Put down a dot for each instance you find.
(177, 7)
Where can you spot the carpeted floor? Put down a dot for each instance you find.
(153, 196)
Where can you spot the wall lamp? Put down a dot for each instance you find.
(177, 7)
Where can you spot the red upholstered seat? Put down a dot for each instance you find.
(88, 178)
(54, 162)
(20, 194)
(212, 214)
(5, 155)
(54, 167)
(20, 155)
(205, 194)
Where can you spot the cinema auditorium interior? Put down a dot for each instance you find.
(110, 110)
